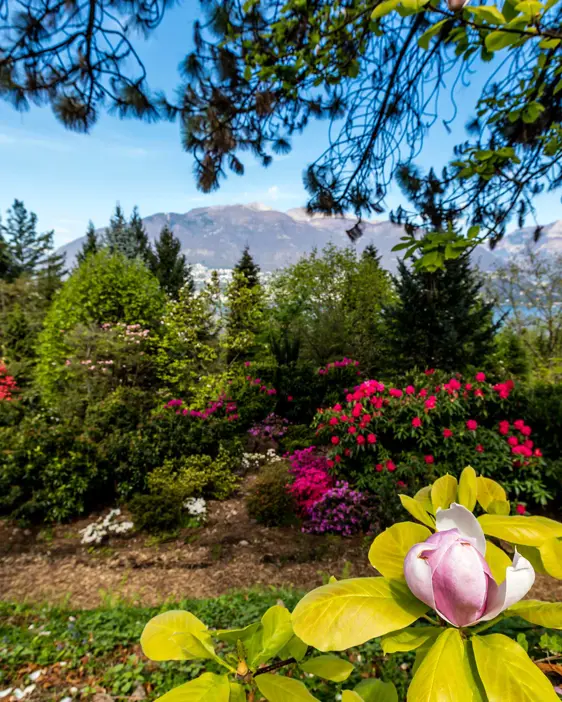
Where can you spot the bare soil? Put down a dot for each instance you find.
(231, 552)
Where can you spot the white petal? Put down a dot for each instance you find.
(459, 517)
(518, 581)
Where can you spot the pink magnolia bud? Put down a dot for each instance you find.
(449, 573)
(456, 5)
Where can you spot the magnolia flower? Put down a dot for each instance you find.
(449, 573)
(456, 5)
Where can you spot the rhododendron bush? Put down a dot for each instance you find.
(447, 580)
(381, 436)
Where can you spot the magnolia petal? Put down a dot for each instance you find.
(518, 581)
(418, 574)
(459, 517)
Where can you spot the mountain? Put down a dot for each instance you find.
(215, 236)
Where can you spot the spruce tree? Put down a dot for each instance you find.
(5, 258)
(248, 268)
(117, 235)
(90, 246)
(440, 319)
(169, 265)
(28, 251)
(139, 237)
(371, 253)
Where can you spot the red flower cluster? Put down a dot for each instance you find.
(344, 363)
(7, 385)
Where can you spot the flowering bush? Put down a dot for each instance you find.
(97, 531)
(311, 479)
(340, 510)
(429, 429)
(273, 427)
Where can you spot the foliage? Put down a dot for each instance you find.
(529, 288)
(331, 301)
(106, 288)
(440, 319)
(268, 501)
(127, 238)
(244, 319)
(90, 246)
(431, 427)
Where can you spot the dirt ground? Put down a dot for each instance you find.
(231, 552)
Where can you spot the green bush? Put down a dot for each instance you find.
(105, 288)
(268, 501)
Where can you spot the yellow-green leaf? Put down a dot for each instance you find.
(409, 639)
(384, 8)
(498, 561)
(507, 672)
(389, 549)
(374, 690)
(499, 507)
(443, 675)
(328, 667)
(204, 688)
(348, 613)
(277, 688)
(468, 488)
(529, 531)
(423, 496)
(416, 509)
(427, 36)
(444, 492)
(174, 636)
(489, 13)
(551, 557)
(495, 41)
(234, 635)
(237, 693)
(548, 614)
(487, 491)
(351, 696)
(277, 632)
(295, 648)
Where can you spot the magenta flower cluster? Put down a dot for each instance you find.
(223, 403)
(262, 386)
(344, 363)
(341, 511)
(311, 479)
(272, 427)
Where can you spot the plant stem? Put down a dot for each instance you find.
(432, 621)
(274, 666)
(484, 626)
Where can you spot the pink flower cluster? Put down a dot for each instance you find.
(521, 445)
(230, 409)
(258, 382)
(7, 385)
(344, 363)
(132, 333)
(311, 479)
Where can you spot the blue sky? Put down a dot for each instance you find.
(68, 179)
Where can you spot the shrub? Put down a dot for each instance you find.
(311, 478)
(428, 429)
(269, 502)
(155, 513)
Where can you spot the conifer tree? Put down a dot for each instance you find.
(169, 265)
(441, 319)
(372, 253)
(90, 246)
(139, 237)
(29, 252)
(5, 257)
(248, 268)
(117, 235)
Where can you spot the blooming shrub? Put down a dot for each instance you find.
(340, 510)
(7, 385)
(344, 363)
(430, 428)
(311, 479)
(273, 427)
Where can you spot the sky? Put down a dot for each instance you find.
(68, 179)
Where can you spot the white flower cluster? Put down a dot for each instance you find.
(196, 507)
(95, 532)
(253, 461)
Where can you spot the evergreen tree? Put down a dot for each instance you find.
(169, 265)
(440, 319)
(117, 235)
(248, 268)
(28, 252)
(139, 236)
(90, 246)
(371, 253)
(245, 311)
(5, 258)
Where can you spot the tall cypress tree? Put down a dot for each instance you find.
(440, 319)
(248, 268)
(169, 265)
(28, 251)
(90, 246)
